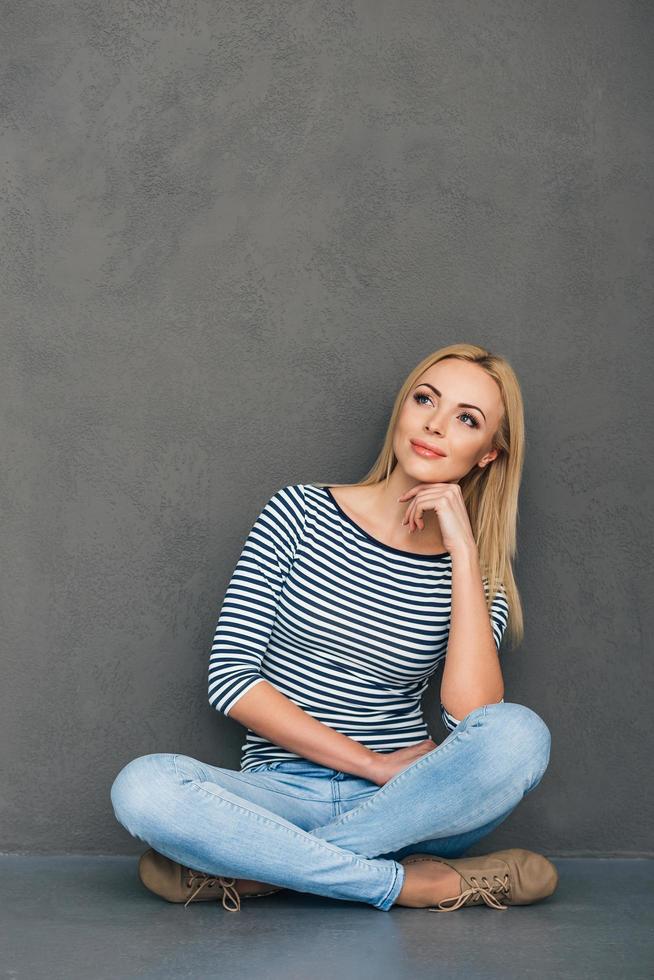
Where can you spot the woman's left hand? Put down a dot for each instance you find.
(447, 500)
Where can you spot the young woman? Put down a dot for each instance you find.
(343, 603)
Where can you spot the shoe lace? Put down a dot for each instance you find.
(486, 891)
(228, 886)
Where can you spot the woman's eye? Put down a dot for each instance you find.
(421, 394)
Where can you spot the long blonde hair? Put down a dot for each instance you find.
(490, 493)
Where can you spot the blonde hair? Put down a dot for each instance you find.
(489, 493)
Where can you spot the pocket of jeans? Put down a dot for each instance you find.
(296, 767)
(263, 767)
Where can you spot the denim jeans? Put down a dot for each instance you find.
(300, 825)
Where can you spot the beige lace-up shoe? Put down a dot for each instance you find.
(517, 876)
(177, 883)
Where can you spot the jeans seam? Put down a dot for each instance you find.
(290, 796)
(365, 862)
(253, 782)
(340, 821)
(390, 890)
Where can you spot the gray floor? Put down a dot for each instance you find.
(69, 917)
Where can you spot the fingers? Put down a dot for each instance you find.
(413, 519)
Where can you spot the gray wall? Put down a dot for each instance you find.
(230, 230)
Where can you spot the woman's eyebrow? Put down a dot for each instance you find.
(460, 405)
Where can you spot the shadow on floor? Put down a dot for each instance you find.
(90, 917)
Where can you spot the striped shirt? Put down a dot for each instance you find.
(348, 628)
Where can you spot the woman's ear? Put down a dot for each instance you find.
(488, 458)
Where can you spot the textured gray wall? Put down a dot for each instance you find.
(231, 229)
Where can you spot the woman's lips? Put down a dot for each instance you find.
(421, 451)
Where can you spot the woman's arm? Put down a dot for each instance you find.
(269, 713)
(472, 675)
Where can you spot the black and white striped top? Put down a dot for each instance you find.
(347, 627)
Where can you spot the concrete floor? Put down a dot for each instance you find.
(65, 918)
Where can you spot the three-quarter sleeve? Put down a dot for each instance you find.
(499, 617)
(499, 614)
(249, 608)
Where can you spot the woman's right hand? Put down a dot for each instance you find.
(385, 765)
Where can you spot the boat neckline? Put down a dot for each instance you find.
(439, 555)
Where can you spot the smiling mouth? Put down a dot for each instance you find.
(427, 453)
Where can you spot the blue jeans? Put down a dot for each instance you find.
(302, 826)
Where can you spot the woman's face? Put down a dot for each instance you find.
(432, 413)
